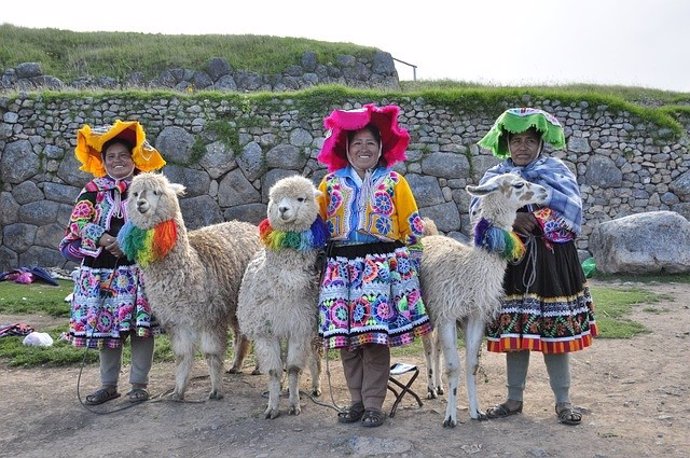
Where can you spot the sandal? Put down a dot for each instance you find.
(373, 418)
(102, 395)
(353, 414)
(502, 411)
(567, 414)
(138, 395)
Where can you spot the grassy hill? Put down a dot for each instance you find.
(67, 55)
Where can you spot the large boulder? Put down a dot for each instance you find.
(644, 243)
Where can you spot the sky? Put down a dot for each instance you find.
(643, 43)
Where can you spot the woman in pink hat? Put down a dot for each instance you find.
(109, 303)
(370, 297)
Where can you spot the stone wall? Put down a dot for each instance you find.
(228, 151)
(217, 74)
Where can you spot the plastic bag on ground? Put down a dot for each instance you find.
(38, 339)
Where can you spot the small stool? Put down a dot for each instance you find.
(396, 370)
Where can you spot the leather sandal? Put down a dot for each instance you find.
(502, 411)
(102, 395)
(352, 414)
(138, 395)
(567, 414)
(373, 418)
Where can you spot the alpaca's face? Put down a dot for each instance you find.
(520, 191)
(292, 206)
(510, 192)
(152, 200)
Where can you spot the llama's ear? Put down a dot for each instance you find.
(178, 188)
(481, 190)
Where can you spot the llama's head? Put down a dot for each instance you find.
(292, 204)
(502, 195)
(152, 200)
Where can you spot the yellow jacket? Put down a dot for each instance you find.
(383, 207)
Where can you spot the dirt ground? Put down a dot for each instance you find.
(635, 395)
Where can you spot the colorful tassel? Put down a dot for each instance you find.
(507, 244)
(313, 238)
(145, 246)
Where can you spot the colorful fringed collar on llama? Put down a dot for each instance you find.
(144, 246)
(496, 240)
(313, 238)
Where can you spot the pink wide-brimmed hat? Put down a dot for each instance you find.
(394, 138)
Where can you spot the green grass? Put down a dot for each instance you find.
(62, 353)
(613, 306)
(666, 278)
(637, 95)
(43, 299)
(67, 55)
(35, 298)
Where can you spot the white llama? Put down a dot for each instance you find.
(192, 278)
(279, 293)
(463, 284)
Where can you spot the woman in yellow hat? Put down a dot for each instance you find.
(109, 303)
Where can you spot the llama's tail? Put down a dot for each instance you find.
(430, 227)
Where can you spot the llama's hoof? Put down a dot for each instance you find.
(234, 370)
(316, 392)
(216, 395)
(434, 393)
(294, 410)
(270, 414)
(256, 371)
(479, 416)
(449, 423)
(175, 396)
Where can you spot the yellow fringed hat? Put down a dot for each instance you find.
(90, 143)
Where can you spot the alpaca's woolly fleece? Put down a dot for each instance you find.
(193, 285)
(279, 292)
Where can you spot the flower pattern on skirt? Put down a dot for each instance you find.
(104, 309)
(371, 299)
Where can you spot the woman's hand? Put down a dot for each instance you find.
(525, 223)
(109, 242)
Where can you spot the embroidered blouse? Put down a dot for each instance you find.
(100, 208)
(382, 207)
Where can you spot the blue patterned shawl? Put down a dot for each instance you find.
(554, 175)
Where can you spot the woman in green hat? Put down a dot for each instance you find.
(547, 306)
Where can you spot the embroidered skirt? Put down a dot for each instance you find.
(371, 298)
(555, 315)
(104, 310)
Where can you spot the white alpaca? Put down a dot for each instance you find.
(463, 284)
(192, 278)
(279, 293)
